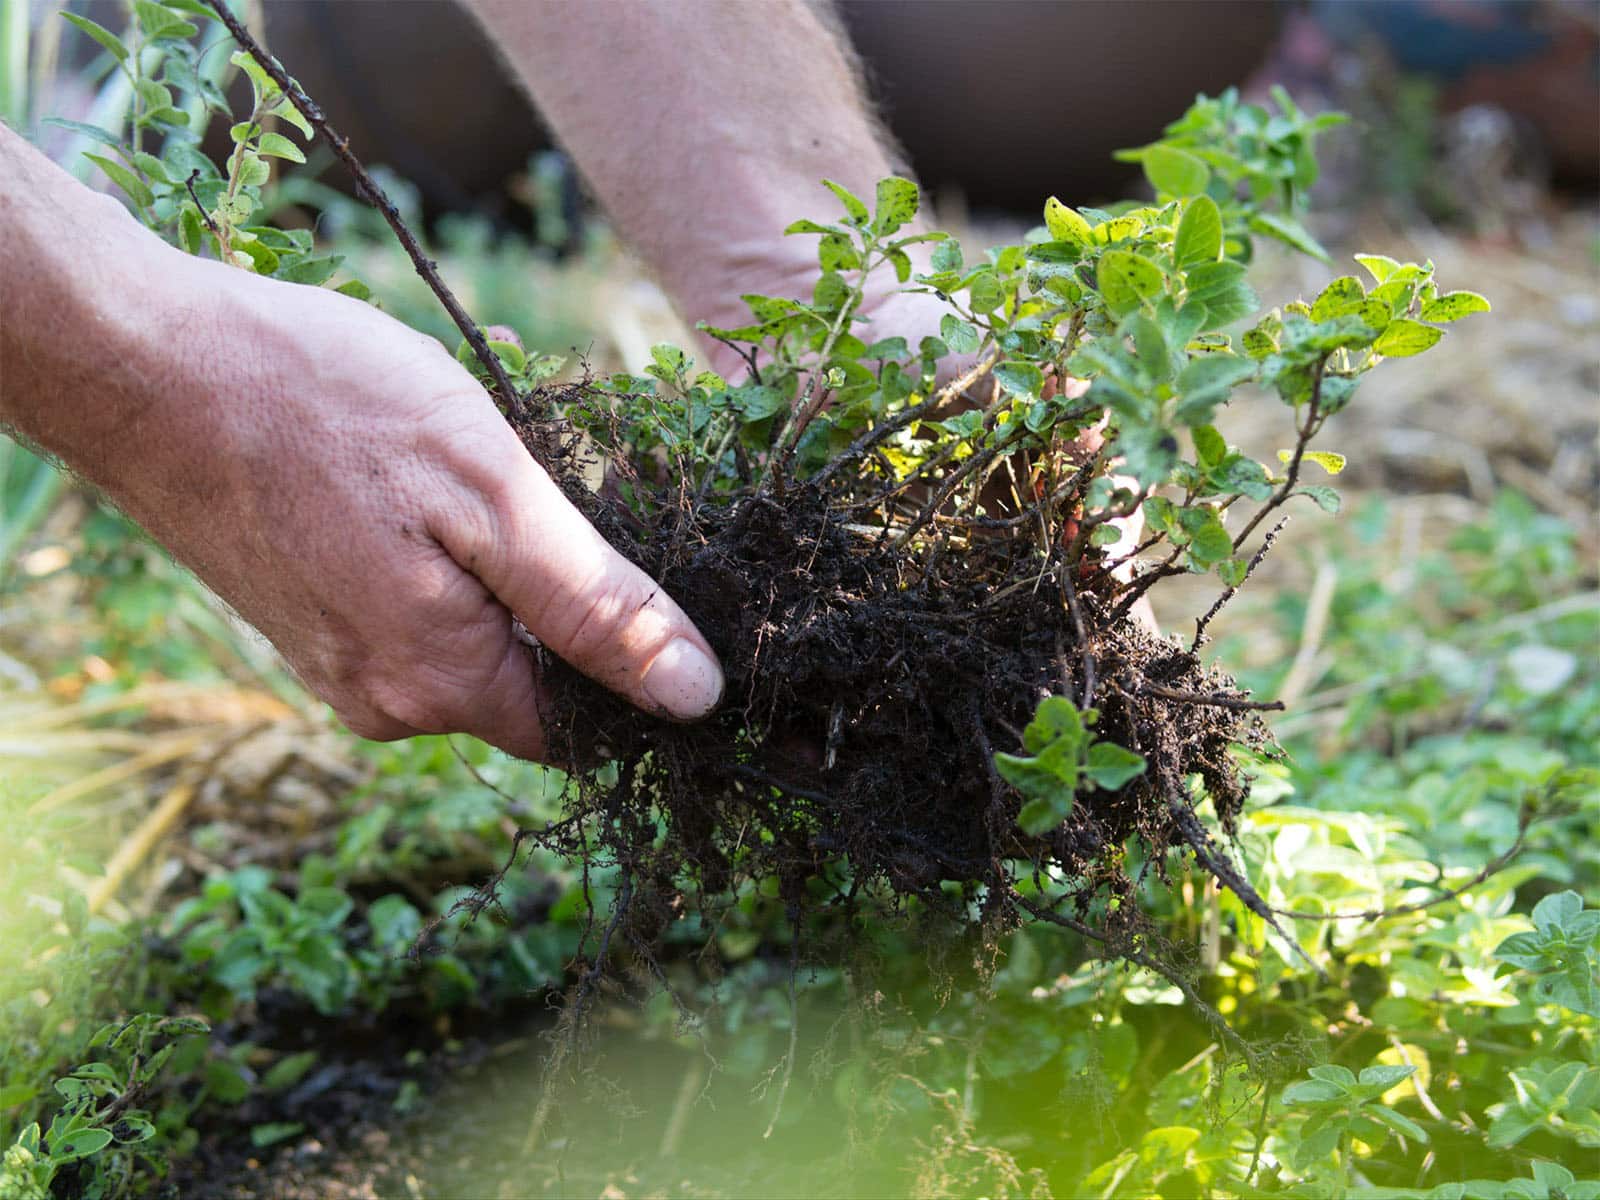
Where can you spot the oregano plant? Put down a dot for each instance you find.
(908, 546)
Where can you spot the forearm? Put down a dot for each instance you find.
(704, 127)
(79, 320)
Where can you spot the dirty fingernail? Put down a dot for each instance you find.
(684, 681)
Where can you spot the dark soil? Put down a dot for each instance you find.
(868, 688)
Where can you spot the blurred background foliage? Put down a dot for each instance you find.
(189, 835)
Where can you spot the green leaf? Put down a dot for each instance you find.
(1385, 1075)
(1175, 172)
(125, 179)
(1404, 337)
(1326, 498)
(287, 111)
(1452, 306)
(1127, 279)
(1056, 719)
(1206, 382)
(355, 289)
(159, 21)
(1557, 911)
(1233, 570)
(1199, 236)
(961, 336)
(1065, 224)
(263, 259)
(897, 204)
(314, 271)
(1209, 445)
(1338, 298)
(1379, 266)
(947, 256)
(1286, 229)
(273, 1132)
(1220, 286)
(1312, 1091)
(1148, 452)
(757, 402)
(853, 206)
(80, 1143)
(1341, 1077)
(100, 34)
(93, 132)
(1110, 766)
(253, 170)
(275, 145)
(260, 81)
(511, 355)
(1020, 378)
(1209, 540)
(1037, 817)
(1116, 229)
(289, 1070)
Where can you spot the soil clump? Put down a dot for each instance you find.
(868, 688)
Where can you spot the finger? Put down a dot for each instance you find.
(580, 598)
(506, 713)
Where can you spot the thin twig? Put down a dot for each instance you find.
(373, 194)
(204, 215)
(1228, 594)
(1211, 699)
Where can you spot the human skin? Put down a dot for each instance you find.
(335, 476)
(704, 127)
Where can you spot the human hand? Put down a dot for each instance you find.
(351, 491)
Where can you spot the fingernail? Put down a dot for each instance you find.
(684, 680)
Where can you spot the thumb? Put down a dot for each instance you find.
(584, 601)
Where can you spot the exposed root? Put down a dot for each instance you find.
(870, 679)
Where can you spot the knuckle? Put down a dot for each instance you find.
(594, 619)
(410, 702)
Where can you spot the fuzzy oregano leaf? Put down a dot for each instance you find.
(897, 204)
(1199, 236)
(1404, 337)
(1175, 172)
(99, 33)
(1065, 224)
(1127, 280)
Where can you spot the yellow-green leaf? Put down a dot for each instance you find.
(1199, 236)
(1127, 279)
(1326, 459)
(1065, 224)
(1118, 229)
(1175, 172)
(1379, 266)
(285, 108)
(1405, 337)
(275, 145)
(1452, 306)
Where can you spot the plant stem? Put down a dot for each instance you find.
(817, 394)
